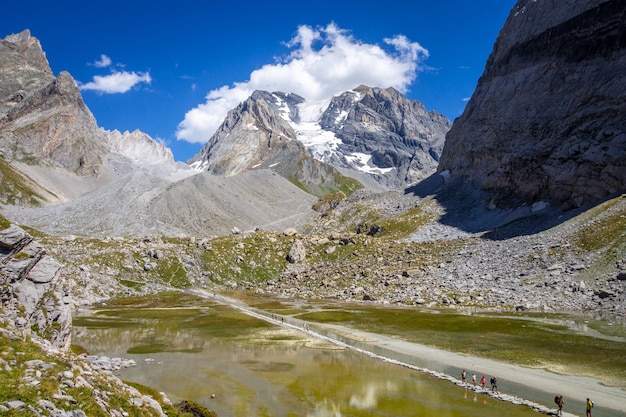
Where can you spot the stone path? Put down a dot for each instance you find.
(534, 388)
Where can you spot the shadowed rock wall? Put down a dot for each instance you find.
(548, 118)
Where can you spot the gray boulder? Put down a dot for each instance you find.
(297, 253)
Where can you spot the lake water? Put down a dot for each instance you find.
(238, 365)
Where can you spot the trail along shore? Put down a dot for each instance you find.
(519, 385)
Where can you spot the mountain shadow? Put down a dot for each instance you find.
(467, 209)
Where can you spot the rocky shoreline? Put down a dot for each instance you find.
(544, 271)
(70, 376)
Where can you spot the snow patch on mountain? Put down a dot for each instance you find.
(363, 163)
(283, 108)
(322, 144)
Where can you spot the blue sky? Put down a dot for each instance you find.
(173, 69)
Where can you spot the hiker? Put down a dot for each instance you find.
(463, 376)
(589, 407)
(483, 381)
(494, 384)
(474, 378)
(558, 399)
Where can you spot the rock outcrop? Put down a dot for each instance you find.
(547, 120)
(32, 296)
(44, 120)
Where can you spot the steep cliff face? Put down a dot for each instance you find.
(547, 121)
(52, 125)
(23, 68)
(250, 133)
(43, 119)
(400, 138)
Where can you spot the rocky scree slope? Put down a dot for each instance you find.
(384, 248)
(546, 121)
(157, 201)
(578, 265)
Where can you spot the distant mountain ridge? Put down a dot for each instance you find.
(46, 130)
(373, 134)
(368, 136)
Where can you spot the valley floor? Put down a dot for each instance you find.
(532, 387)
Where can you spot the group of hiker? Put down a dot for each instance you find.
(483, 381)
(558, 399)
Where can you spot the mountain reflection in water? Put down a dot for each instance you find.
(269, 370)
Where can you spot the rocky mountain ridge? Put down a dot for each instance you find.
(255, 137)
(59, 171)
(375, 135)
(49, 135)
(384, 134)
(546, 121)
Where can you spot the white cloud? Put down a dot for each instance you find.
(118, 82)
(324, 62)
(104, 62)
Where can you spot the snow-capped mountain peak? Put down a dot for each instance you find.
(372, 132)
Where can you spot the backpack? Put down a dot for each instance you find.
(556, 399)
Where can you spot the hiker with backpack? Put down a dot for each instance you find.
(494, 384)
(589, 407)
(558, 399)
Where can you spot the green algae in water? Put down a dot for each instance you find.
(545, 344)
(253, 368)
(103, 322)
(143, 349)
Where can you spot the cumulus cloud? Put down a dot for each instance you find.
(117, 82)
(323, 62)
(103, 62)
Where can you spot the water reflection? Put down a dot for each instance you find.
(262, 370)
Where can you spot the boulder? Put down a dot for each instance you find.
(297, 253)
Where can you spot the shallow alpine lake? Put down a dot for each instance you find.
(238, 365)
